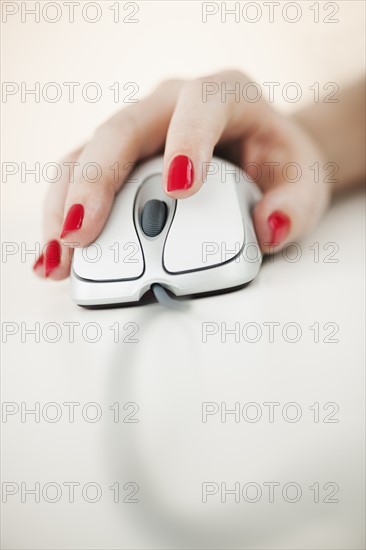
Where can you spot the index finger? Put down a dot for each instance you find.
(132, 134)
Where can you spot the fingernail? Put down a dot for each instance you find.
(38, 262)
(52, 256)
(180, 175)
(73, 220)
(279, 224)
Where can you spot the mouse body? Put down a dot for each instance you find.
(202, 244)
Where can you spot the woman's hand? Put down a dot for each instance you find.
(191, 119)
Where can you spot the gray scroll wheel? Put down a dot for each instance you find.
(153, 217)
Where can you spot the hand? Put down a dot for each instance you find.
(273, 149)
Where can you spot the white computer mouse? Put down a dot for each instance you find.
(199, 245)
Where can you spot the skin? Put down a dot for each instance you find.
(175, 116)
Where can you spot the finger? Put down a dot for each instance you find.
(132, 134)
(286, 213)
(55, 259)
(200, 119)
(291, 206)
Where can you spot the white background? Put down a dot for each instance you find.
(170, 452)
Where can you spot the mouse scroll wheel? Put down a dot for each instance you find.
(153, 217)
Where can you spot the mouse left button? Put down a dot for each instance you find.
(116, 254)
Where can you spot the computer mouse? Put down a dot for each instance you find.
(198, 245)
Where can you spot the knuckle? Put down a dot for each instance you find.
(121, 128)
(235, 75)
(169, 85)
(165, 84)
(71, 157)
(196, 85)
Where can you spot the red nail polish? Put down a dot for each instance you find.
(38, 262)
(52, 256)
(180, 175)
(279, 224)
(73, 220)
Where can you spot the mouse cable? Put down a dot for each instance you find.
(165, 299)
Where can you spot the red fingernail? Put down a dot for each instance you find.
(52, 256)
(73, 220)
(279, 224)
(38, 262)
(180, 174)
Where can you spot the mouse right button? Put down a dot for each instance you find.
(207, 229)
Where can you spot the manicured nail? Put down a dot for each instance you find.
(180, 175)
(73, 220)
(52, 256)
(38, 262)
(279, 224)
